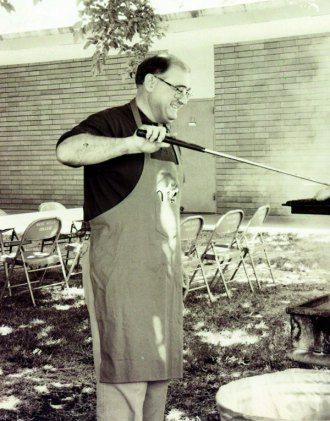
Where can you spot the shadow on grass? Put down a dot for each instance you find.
(46, 365)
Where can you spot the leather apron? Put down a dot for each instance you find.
(135, 268)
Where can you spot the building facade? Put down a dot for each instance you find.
(261, 80)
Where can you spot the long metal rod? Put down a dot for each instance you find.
(193, 146)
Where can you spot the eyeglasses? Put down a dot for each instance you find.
(180, 91)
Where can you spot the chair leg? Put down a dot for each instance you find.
(267, 258)
(62, 266)
(73, 265)
(236, 270)
(188, 280)
(193, 276)
(43, 276)
(67, 255)
(186, 285)
(254, 269)
(214, 279)
(7, 277)
(29, 285)
(242, 262)
(247, 275)
(225, 284)
(211, 296)
(6, 285)
(222, 277)
(270, 269)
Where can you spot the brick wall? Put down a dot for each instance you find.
(38, 103)
(272, 105)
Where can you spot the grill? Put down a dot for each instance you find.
(309, 206)
(310, 327)
(310, 331)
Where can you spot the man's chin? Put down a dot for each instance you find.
(173, 115)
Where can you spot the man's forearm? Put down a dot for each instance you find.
(88, 149)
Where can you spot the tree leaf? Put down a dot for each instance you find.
(115, 23)
(7, 6)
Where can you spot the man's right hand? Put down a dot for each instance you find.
(151, 143)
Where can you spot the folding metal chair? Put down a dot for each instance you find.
(29, 256)
(8, 240)
(223, 248)
(191, 228)
(53, 206)
(252, 242)
(80, 231)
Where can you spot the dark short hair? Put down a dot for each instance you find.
(157, 65)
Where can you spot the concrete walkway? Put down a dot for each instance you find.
(292, 223)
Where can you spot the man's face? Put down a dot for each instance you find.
(165, 100)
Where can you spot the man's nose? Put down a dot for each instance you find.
(184, 99)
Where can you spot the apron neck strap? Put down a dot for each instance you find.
(136, 113)
(138, 122)
(137, 116)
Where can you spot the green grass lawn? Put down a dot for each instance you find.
(46, 365)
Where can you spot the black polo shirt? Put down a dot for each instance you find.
(107, 183)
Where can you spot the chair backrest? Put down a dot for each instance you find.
(7, 237)
(43, 229)
(255, 223)
(226, 228)
(191, 228)
(47, 206)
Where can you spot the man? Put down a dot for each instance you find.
(132, 191)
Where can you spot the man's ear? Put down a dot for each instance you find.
(149, 82)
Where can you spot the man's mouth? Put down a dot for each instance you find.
(175, 105)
